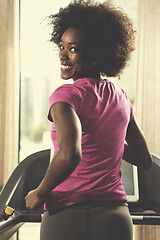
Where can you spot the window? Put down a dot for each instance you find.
(40, 76)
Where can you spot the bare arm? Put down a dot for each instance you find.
(68, 129)
(136, 151)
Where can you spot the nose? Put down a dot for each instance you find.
(63, 55)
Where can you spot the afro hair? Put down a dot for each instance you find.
(109, 33)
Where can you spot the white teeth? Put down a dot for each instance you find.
(65, 66)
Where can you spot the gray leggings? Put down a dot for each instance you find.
(88, 223)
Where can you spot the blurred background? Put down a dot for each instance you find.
(30, 72)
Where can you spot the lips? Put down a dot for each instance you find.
(66, 67)
(66, 71)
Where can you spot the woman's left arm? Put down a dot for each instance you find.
(67, 158)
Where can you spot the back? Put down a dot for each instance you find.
(104, 111)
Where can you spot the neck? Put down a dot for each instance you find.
(88, 76)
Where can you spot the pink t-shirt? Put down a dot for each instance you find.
(104, 111)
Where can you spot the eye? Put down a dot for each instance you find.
(61, 47)
(73, 49)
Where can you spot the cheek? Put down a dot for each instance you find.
(84, 66)
(81, 60)
(76, 58)
(80, 64)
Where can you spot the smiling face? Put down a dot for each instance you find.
(71, 54)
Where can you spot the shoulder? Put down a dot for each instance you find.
(74, 90)
(62, 88)
(117, 89)
(67, 93)
(61, 92)
(67, 88)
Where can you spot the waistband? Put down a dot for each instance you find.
(92, 204)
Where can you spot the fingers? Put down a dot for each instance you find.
(33, 201)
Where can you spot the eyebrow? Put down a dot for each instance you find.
(72, 43)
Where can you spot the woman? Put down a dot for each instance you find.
(91, 119)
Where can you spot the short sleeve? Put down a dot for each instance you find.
(65, 93)
(130, 106)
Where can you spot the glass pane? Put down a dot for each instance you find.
(127, 80)
(40, 76)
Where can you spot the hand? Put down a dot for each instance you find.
(34, 201)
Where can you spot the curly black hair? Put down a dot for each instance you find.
(109, 33)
